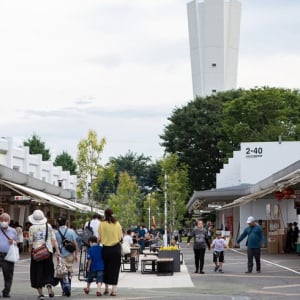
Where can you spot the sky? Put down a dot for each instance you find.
(121, 67)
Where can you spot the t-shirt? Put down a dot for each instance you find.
(200, 238)
(69, 235)
(95, 254)
(110, 233)
(219, 244)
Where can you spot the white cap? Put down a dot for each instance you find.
(250, 220)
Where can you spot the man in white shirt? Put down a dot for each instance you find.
(94, 224)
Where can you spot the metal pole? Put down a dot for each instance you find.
(149, 199)
(166, 211)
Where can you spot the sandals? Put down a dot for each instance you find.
(98, 294)
(113, 294)
(106, 292)
(50, 291)
(86, 290)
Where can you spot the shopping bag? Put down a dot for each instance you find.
(61, 269)
(40, 253)
(12, 253)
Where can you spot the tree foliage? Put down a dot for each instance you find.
(177, 189)
(261, 114)
(36, 146)
(66, 161)
(89, 164)
(135, 165)
(124, 201)
(206, 131)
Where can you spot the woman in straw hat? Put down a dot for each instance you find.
(41, 272)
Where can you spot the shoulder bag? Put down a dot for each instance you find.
(42, 252)
(67, 244)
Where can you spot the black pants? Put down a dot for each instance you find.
(8, 273)
(253, 252)
(199, 258)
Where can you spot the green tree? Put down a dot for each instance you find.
(135, 165)
(177, 184)
(89, 165)
(261, 114)
(66, 161)
(206, 131)
(36, 146)
(124, 201)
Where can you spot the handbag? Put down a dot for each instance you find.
(42, 252)
(12, 254)
(125, 248)
(61, 269)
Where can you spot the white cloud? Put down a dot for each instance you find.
(121, 66)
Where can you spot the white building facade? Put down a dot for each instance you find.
(266, 167)
(214, 33)
(18, 158)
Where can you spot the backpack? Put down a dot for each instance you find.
(69, 245)
(86, 234)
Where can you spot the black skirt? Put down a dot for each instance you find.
(112, 263)
(41, 272)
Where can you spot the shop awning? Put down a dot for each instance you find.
(276, 185)
(39, 196)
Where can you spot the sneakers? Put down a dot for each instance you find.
(221, 271)
(201, 272)
(216, 268)
(41, 297)
(247, 272)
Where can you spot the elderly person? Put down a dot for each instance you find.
(255, 238)
(110, 232)
(41, 272)
(8, 236)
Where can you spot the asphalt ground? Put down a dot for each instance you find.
(279, 279)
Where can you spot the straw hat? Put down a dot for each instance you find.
(37, 218)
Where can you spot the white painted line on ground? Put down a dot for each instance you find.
(271, 263)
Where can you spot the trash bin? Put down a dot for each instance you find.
(272, 247)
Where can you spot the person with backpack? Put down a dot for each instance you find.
(94, 224)
(66, 237)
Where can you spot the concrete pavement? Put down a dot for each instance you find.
(280, 278)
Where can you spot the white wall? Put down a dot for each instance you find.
(246, 164)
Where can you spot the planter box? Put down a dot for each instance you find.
(175, 254)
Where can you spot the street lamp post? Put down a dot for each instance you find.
(166, 211)
(149, 209)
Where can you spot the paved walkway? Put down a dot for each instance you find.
(280, 279)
